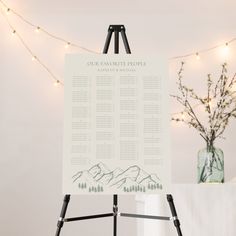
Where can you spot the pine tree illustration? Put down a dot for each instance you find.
(102, 189)
(79, 185)
(149, 186)
(89, 189)
(85, 185)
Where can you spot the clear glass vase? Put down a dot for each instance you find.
(210, 165)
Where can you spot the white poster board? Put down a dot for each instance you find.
(116, 126)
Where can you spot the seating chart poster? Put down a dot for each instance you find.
(116, 125)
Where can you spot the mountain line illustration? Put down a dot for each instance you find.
(132, 179)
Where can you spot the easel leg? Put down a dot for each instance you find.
(115, 210)
(125, 40)
(62, 215)
(108, 40)
(174, 214)
(116, 45)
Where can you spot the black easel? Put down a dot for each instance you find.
(117, 29)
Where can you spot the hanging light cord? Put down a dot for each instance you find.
(39, 28)
(56, 80)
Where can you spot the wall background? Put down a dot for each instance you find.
(31, 117)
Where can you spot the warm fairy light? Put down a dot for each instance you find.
(8, 10)
(67, 45)
(225, 50)
(212, 103)
(182, 115)
(197, 56)
(233, 90)
(34, 58)
(227, 46)
(234, 87)
(37, 30)
(56, 83)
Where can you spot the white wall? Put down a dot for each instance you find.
(31, 115)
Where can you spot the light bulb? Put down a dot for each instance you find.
(233, 90)
(234, 87)
(8, 11)
(34, 58)
(197, 56)
(37, 30)
(56, 83)
(227, 46)
(13, 32)
(226, 49)
(212, 103)
(67, 45)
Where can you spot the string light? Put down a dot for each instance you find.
(67, 45)
(56, 83)
(234, 87)
(41, 29)
(226, 50)
(37, 30)
(197, 56)
(227, 46)
(8, 11)
(210, 104)
(33, 57)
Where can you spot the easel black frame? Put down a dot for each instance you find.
(117, 29)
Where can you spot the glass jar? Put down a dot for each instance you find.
(210, 165)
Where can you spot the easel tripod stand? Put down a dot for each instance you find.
(117, 29)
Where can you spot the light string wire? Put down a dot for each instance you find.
(197, 53)
(34, 57)
(39, 28)
(69, 43)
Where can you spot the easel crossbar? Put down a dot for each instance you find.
(118, 214)
(88, 217)
(146, 216)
